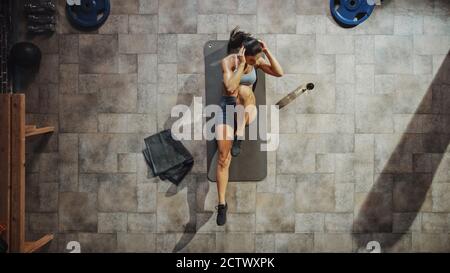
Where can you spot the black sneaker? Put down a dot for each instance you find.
(222, 214)
(236, 148)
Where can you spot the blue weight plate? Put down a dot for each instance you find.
(350, 13)
(90, 14)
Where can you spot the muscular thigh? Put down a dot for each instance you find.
(224, 132)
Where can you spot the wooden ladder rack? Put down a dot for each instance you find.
(13, 133)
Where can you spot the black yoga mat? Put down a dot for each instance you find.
(251, 164)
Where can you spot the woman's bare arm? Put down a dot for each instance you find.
(231, 79)
(272, 66)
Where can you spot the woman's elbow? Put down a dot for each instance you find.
(279, 72)
(230, 88)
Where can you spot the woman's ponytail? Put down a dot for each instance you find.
(237, 38)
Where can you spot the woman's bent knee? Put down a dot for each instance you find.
(224, 160)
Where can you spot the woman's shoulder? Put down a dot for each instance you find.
(229, 60)
(259, 61)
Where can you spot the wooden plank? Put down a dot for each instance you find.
(17, 239)
(5, 162)
(38, 131)
(35, 245)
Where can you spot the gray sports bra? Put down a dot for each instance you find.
(247, 79)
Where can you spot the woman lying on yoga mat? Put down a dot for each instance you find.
(245, 55)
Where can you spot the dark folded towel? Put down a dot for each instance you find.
(167, 157)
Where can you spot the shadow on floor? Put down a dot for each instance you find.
(400, 188)
(196, 192)
(196, 196)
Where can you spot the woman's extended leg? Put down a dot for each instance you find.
(224, 136)
(224, 142)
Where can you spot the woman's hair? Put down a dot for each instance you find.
(239, 38)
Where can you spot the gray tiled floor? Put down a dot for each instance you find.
(365, 157)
